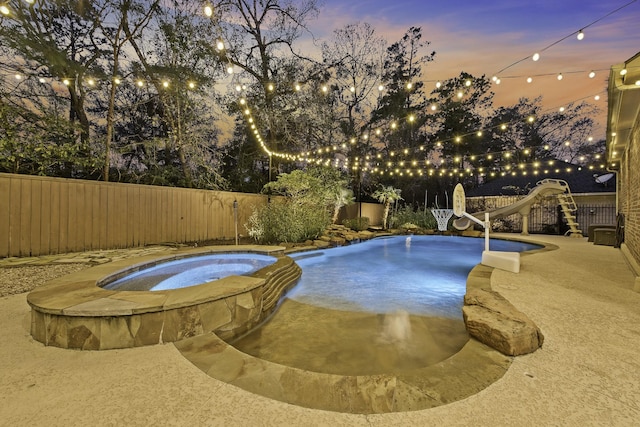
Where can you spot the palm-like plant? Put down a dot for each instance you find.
(341, 197)
(386, 195)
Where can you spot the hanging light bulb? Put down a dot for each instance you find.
(623, 71)
(592, 74)
(438, 84)
(4, 10)
(380, 88)
(536, 56)
(208, 10)
(498, 81)
(220, 45)
(529, 79)
(559, 76)
(230, 69)
(580, 35)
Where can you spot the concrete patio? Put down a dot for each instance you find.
(581, 296)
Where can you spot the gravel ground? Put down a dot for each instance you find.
(16, 280)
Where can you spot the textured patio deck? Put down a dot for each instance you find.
(586, 373)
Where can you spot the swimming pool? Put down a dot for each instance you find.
(388, 305)
(423, 275)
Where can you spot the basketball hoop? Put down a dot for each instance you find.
(459, 201)
(442, 216)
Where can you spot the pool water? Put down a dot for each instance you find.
(191, 271)
(423, 275)
(388, 305)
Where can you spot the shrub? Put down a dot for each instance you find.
(406, 215)
(356, 224)
(283, 221)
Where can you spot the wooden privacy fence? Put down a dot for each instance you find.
(42, 215)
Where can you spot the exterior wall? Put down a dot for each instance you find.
(629, 192)
(42, 215)
(373, 211)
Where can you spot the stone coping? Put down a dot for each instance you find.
(81, 294)
(473, 368)
(73, 311)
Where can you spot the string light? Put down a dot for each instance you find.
(580, 35)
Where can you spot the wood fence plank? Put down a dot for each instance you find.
(45, 218)
(89, 216)
(25, 217)
(103, 217)
(14, 217)
(5, 209)
(123, 215)
(76, 211)
(35, 244)
(112, 217)
(54, 215)
(132, 217)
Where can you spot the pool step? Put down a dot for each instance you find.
(278, 282)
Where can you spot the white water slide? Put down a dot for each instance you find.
(543, 188)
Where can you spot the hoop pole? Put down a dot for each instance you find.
(487, 226)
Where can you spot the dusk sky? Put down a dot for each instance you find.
(483, 37)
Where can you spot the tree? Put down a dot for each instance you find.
(259, 40)
(178, 62)
(402, 113)
(463, 105)
(60, 41)
(131, 18)
(386, 195)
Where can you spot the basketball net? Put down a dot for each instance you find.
(442, 217)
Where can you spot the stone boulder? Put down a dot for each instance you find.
(494, 321)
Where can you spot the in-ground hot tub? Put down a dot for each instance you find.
(190, 271)
(74, 311)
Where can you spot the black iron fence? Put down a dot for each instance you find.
(546, 216)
